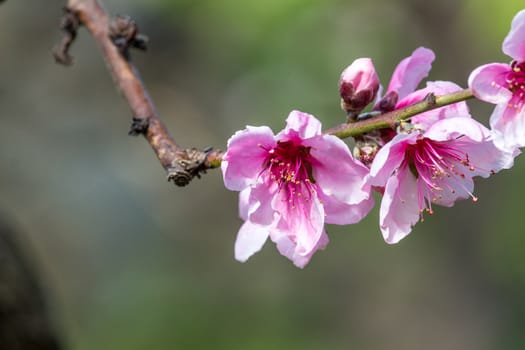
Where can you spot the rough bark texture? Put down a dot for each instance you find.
(115, 38)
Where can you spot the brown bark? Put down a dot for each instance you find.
(115, 38)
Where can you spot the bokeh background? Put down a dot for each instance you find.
(128, 261)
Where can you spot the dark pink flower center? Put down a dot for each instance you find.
(289, 164)
(515, 80)
(440, 169)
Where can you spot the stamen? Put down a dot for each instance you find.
(289, 165)
(438, 172)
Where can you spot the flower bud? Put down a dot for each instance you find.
(388, 102)
(358, 85)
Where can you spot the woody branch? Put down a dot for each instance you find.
(115, 38)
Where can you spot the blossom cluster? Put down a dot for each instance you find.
(294, 182)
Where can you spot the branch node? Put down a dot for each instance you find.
(69, 24)
(139, 126)
(124, 33)
(430, 98)
(184, 170)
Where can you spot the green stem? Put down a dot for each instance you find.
(391, 119)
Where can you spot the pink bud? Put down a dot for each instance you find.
(358, 85)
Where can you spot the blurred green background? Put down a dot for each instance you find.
(129, 261)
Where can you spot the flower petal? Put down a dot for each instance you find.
(341, 213)
(244, 159)
(454, 187)
(508, 125)
(453, 128)
(288, 249)
(410, 71)
(336, 172)
(399, 207)
(514, 43)
(255, 204)
(488, 159)
(426, 119)
(389, 157)
(305, 126)
(474, 141)
(244, 203)
(488, 83)
(303, 223)
(250, 240)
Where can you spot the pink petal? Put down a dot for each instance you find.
(410, 71)
(361, 74)
(399, 207)
(389, 158)
(305, 222)
(475, 141)
(244, 203)
(340, 179)
(341, 213)
(508, 125)
(412, 98)
(488, 83)
(302, 260)
(453, 128)
(304, 124)
(454, 187)
(288, 249)
(250, 240)
(425, 120)
(439, 87)
(514, 43)
(260, 209)
(485, 159)
(336, 172)
(244, 159)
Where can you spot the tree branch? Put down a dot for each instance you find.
(114, 39)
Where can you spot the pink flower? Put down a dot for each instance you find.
(291, 184)
(504, 85)
(401, 93)
(358, 85)
(435, 166)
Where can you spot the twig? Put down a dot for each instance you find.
(68, 25)
(114, 39)
(390, 119)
